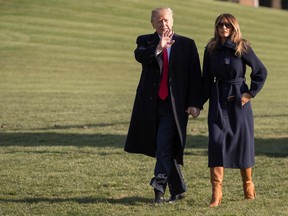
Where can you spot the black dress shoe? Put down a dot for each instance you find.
(159, 197)
(175, 198)
(159, 200)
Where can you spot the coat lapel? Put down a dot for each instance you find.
(173, 51)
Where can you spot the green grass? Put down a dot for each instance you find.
(68, 80)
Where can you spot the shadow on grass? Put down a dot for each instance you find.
(84, 126)
(61, 139)
(272, 147)
(82, 200)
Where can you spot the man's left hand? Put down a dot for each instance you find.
(194, 111)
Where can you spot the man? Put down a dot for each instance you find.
(168, 91)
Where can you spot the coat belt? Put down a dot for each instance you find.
(237, 96)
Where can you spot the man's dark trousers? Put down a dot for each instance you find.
(167, 171)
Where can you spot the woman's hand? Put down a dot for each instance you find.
(194, 111)
(245, 98)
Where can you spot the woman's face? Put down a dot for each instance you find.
(224, 29)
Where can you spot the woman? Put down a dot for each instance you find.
(230, 117)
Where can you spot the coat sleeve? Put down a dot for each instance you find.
(195, 79)
(258, 74)
(145, 50)
(207, 78)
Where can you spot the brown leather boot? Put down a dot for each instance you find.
(248, 186)
(216, 174)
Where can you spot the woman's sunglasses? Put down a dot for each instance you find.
(222, 24)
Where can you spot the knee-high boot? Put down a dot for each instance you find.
(216, 174)
(248, 186)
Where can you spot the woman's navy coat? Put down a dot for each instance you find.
(185, 86)
(231, 125)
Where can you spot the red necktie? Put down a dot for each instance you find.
(163, 90)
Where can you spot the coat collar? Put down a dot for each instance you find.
(228, 44)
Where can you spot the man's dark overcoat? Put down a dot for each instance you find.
(231, 125)
(184, 92)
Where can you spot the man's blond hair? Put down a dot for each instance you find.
(157, 11)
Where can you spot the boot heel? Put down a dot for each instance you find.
(215, 203)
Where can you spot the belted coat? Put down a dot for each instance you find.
(184, 91)
(231, 125)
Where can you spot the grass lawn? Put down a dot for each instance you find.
(68, 81)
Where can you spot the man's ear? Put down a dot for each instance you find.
(153, 25)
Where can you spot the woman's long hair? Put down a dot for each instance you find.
(242, 45)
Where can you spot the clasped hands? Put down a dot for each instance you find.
(194, 111)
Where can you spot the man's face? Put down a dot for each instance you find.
(162, 21)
